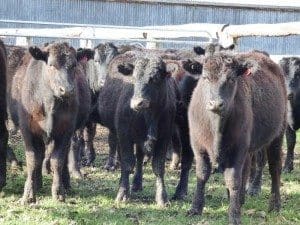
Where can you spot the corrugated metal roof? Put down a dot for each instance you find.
(266, 4)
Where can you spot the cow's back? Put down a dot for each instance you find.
(108, 99)
(268, 95)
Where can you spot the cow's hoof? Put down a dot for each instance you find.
(253, 191)
(136, 187)
(122, 196)
(193, 212)
(76, 175)
(288, 169)
(26, 201)
(181, 195)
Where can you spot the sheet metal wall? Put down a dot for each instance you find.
(145, 14)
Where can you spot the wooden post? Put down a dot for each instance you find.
(23, 41)
(85, 43)
(150, 44)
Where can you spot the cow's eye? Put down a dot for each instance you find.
(228, 60)
(52, 65)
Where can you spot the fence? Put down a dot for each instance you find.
(151, 35)
(225, 34)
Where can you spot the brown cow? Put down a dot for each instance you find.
(238, 106)
(47, 87)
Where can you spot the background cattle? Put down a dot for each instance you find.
(3, 115)
(291, 69)
(97, 71)
(238, 106)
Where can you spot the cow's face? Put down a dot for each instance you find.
(150, 76)
(213, 48)
(59, 72)
(192, 66)
(219, 79)
(291, 68)
(104, 53)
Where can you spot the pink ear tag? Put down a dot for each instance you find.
(248, 72)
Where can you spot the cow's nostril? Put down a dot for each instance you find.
(211, 103)
(215, 106)
(62, 90)
(139, 104)
(290, 96)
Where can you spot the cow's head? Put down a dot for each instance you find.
(192, 66)
(150, 76)
(219, 80)
(291, 69)
(84, 54)
(213, 48)
(59, 72)
(104, 53)
(199, 50)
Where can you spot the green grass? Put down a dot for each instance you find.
(91, 200)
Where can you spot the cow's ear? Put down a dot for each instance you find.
(38, 54)
(84, 54)
(192, 66)
(199, 50)
(230, 47)
(126, 69)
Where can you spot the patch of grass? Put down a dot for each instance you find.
(91, 200)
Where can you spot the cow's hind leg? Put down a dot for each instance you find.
(256, 180)
(111, 161)
(274, 161)
(74, 156)
(291, 141)
(177, 149)
(88, 136)
(11, 157)
(186, 164)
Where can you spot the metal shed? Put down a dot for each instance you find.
(164, 12)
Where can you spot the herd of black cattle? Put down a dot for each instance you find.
(227, 110)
